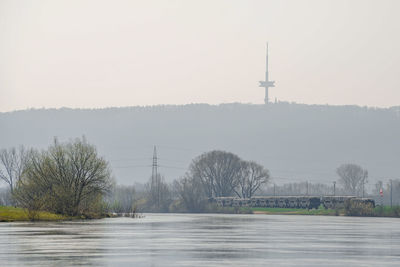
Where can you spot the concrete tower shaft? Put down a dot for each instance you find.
(267, 83)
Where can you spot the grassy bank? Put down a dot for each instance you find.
(11, 214)
(385, 211)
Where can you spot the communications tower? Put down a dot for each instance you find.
(267, 83)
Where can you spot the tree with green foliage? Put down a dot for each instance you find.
(67, 178)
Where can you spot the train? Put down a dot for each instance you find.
(299, 202)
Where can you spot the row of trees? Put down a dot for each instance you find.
(222, 174)
(70, 178)
(212, 174)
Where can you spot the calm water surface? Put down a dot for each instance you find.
(204, 240)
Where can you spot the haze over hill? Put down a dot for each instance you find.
(295, 142)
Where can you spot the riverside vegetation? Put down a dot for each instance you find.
(70, 180)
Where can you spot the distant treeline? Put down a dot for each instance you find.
(300, 142)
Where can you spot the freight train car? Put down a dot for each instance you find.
(335, 202)
(299, 202)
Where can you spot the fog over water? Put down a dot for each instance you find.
(295, 142)
(204, 240)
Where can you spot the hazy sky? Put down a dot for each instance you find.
(124, 53)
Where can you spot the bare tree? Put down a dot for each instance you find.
(218, 171)
(5, 197)
(253, 175)
(12, 163)
(352, 177)
(158, 195)
(122, 199)
(191, 192)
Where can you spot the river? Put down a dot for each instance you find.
(204, 240)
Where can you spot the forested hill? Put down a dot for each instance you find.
(295, 142)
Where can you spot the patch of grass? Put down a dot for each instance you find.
(276, 209)
(387, 211)
(213, 208)
(11, 214)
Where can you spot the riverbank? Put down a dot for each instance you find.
(12, 214)
(379, 211)
(359, 211)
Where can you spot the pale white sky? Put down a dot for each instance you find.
(124, 53)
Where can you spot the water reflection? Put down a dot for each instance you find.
(204, 240)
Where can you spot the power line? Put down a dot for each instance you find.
(177, 148)
(147, 166)
(172, 160)
(302, 172)
(172, 167)
(129, 159)
(131, 166)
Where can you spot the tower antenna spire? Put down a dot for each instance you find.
(267, 83)
(266, 61)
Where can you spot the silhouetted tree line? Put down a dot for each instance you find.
(299, 136)
(212, 174)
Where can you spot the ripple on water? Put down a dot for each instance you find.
(204, 240)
